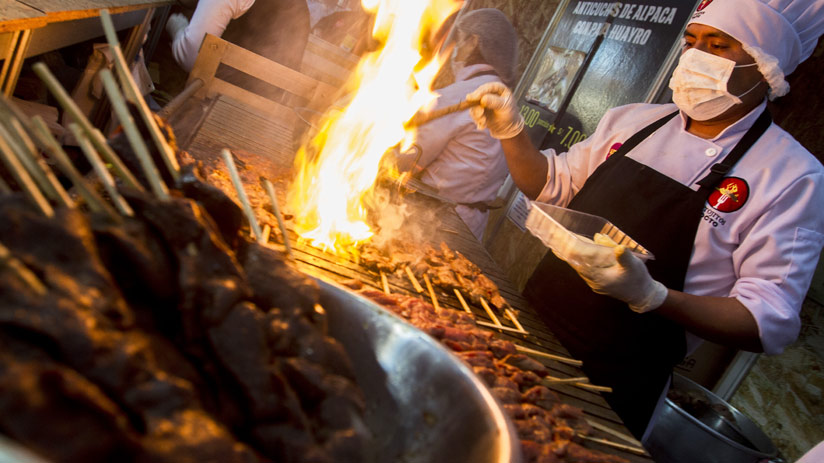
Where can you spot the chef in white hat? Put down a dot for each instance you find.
(465, 164)
(726, 201)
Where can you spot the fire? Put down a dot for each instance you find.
(337, 170)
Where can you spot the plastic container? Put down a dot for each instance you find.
(570, 235)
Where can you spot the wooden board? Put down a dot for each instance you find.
(16, 16)
(32, 14)
(231, 125)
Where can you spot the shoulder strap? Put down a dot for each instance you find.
(719, 170)
(642, 134)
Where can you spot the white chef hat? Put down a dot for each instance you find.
(778, 34)
(497, 40)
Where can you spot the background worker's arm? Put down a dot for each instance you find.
(498, 112)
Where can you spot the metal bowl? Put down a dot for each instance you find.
(423, 404)
(712, 433)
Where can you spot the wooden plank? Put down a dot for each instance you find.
(228, 125)
(269, 71)
(253, 100)
(206, 64)
(14, 10)
(332, 52)
(74, 6)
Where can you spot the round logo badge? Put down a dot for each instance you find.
(613, 149)
(703, 4)
(730, 195)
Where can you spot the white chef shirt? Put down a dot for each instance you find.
(763, 253)
(465, 164)
(211, 16)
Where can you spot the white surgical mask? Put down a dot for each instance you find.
(699, 84)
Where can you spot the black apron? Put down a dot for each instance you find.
(630, 352)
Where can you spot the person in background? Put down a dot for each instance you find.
(727, 202)
(814, 455)
(275, 29)
(466, 164)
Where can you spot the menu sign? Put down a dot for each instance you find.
(601, 55)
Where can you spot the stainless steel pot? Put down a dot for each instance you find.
(707, 430)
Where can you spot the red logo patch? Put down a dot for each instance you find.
(613, 149)
(703, 4)
(730, 195)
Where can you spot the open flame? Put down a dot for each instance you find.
(337, 170)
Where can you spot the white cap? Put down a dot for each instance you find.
(778, 34)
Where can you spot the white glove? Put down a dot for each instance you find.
(497, 110)
(626, 279)
(175, 24)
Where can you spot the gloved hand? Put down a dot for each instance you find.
(175, 24)
(625, 278)
(497, 111)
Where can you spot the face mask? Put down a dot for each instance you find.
(699, 84)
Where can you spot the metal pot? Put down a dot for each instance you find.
(423, 404)
(702, 428)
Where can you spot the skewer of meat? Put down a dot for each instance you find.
(132, 92)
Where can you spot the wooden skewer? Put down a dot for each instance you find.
(241, 193)
(95, 136)
(449, 230)
(99, 168)
(27, 276)
(462, 301)
(593, 387)
(266, 231)
(385, 283)
(22, 145)
(620, 435)
(490, 313)
(514, 319)
(51, 146)
(133, 135)
(579, 379)
(549, 356)
(133, 95)
(270, 190)
(502, 328)
(23, 179)
(422, 118)
(609, 443)
(431, 293)
(412, 278)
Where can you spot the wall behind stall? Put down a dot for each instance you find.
(530, 18)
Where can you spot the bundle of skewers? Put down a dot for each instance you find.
(549, 429)
(137, 321)
(444, 269)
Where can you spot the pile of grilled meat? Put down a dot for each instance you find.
(166, 337)
(549, 430)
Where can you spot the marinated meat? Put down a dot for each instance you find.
(153, 340)
(545, 425)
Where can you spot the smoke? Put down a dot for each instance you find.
(394, 219)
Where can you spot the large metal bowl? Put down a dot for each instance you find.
(423, 404)
(715, 433)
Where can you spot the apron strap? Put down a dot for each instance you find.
(719, 170)
(641, 135)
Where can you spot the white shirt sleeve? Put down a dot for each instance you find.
(776, 259)
(212, 17)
